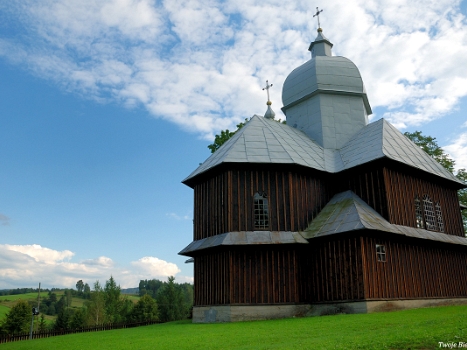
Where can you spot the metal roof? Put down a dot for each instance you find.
(244, 238)
(264, 140)
(347, 212)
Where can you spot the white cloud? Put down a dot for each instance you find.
(41, 254)
(458, 150)
(202, 64)
(151, 266)
(27, 265)
(178, 217)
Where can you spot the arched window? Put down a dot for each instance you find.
(439, 216)
(261, 211)
(418, 213)
(430, 218)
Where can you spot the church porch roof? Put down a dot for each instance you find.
(346, 212)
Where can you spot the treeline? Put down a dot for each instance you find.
(24, 291)
(174, 300)
(159, 301)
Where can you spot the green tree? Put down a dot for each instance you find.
(96, 306)
(112, 300)
(222, 138)
(170, 302)
(80, 286)
(145, 310)
(42, 327)
(78, 320)
(18, 319)
(63, 319)
(431, 147)
(86, 291)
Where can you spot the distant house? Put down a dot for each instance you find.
(326, 214)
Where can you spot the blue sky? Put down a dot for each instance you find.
(107, 106)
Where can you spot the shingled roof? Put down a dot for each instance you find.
(346, 212)
(264, 140)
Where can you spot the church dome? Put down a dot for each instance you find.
(323, 73)
(325, 97)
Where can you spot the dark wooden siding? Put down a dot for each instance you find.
(414, 269)
(401, 188)
(367, 182)
(252, 275)
(224, 202)
(335, 268)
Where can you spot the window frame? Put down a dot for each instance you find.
(260, 211)
(381, 253)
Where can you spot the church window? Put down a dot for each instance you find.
(261, 211)
(439, 216)
(418, 213)
(429, 213)
(381, 252)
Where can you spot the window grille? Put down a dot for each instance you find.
(439, 216)
(418, 213)
(261, 211)
(381, 252)
(430, 218)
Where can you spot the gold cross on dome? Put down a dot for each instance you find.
(268, 86)
(317, 15)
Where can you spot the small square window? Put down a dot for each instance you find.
(381, 252)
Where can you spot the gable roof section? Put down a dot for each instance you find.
(347, 212)
(267, 141)
(381, 139)
(264, 140)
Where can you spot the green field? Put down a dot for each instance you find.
(3, 311)
(7, 301)
(409, 329)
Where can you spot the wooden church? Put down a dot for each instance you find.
(326, 214)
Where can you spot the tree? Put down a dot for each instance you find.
(63, 319)
(96, 306)
(18, 319)
(78, 320)
(224, 136)
(170, 302)
(86, 291)
(430, 146)
(145, 310)
(112, 300)
(80, 286)
(42, 324)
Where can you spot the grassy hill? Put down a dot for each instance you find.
(409, 329)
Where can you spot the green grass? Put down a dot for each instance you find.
(3, 311)
(409, 329)
(7, 301)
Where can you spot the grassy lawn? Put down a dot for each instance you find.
(409, 329)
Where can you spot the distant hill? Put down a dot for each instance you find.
(130, 290)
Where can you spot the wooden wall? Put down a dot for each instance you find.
(224, 202)
(401, 189)
(414, 269)
(335, 267)
(367, 182)
(250, 275)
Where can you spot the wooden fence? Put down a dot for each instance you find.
(106, 327)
